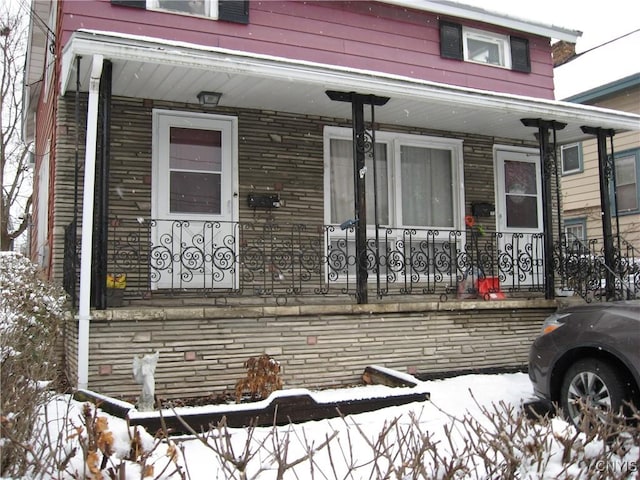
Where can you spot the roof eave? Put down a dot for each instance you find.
(469, 12)
(323, 76)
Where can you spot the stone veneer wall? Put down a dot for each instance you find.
(278, 152)
(202, 350)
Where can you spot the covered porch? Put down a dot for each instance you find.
(269, 256)
(279, 243)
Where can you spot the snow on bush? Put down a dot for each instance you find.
(31, 312)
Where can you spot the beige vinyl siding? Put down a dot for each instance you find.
(581, 191)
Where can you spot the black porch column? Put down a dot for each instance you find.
(606, 168)
(101, 223)
(548, 164)
(358, 101)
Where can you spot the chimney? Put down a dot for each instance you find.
(562, 52)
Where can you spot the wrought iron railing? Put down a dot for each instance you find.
(282, 260)
(584, 271)
(225, 259)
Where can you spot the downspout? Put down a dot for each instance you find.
(84, 314)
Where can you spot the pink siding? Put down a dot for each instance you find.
(367, 35)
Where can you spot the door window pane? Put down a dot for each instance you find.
(195, 193)
(195, 169)
(427, 187)
(521, 194)
(195, 149)
(342, 183)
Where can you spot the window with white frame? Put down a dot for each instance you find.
(571, 158)
(627, 194)
(418, 180)
(235, 11)
(418, 191)
(485, 47)
(458, 42)
(207, 8)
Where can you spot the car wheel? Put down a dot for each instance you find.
(592, 384)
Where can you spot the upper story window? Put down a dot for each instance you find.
(571, 158)
(480, 46)
(627, 193)
(208, 8)
(236, 11)
(484, 47)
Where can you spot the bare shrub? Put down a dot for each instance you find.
(263, 377)
(498, 441)
(31, 313)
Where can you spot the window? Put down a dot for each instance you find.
(480, 46)
(207, 8)
(571, 158)
(627, 193)
(418, 180)
(236, 11)
(195, 170)
(484, 47)
(43, 211)
(341, 173)
(575, 229)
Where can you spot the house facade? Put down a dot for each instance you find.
(333, 183)
(616, 87)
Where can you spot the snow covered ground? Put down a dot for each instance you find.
(449, 430)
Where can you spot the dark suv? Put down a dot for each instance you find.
(588, 354)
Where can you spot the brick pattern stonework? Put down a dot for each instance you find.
(202, 350)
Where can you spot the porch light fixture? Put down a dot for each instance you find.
(209, 99)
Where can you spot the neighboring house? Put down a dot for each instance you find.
(608, 83)
(333, 183)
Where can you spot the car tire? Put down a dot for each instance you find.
(593, 383)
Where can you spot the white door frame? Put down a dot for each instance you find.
(523, 273)
(160, 202)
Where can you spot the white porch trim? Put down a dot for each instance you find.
(84, 315)
(413, 101)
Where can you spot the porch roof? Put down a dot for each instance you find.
(145, 67)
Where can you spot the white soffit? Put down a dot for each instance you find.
(175, 71)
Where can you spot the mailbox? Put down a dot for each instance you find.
(264, 200)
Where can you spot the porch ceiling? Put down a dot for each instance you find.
(147, 68)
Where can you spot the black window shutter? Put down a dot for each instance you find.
(236, 11)
(451, 40)
(130, 3)
(520, 59)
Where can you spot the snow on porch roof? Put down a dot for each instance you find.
(145, 67)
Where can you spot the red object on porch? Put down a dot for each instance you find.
(489, 288)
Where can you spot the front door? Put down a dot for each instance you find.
(194, 192)
(519, 218)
